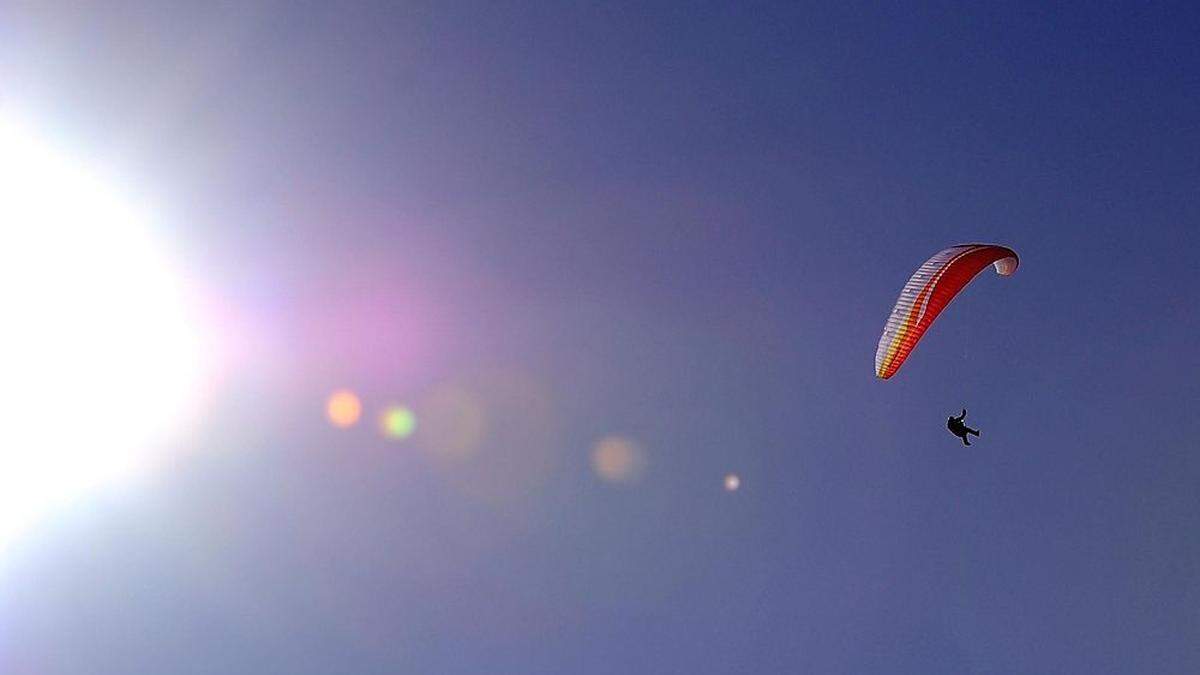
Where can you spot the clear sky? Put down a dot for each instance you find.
(682, 225)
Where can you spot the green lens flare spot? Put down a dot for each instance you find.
(398, 422)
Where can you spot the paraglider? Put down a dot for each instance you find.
(959, 428)
(935, 283)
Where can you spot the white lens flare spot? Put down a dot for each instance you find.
(100, 361)
(732, 482)
(618, 460)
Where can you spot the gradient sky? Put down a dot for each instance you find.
(683, 224)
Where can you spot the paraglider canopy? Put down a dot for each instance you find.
(935, 283)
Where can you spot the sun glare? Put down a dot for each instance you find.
(99, 360)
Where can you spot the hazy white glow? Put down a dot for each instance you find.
(98, 360)
(732, 482)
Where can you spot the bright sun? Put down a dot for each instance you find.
(99, 362)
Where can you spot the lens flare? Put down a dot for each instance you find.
(397, 422)
(493, 435)
(618, 460)
(343, 409)
(452, 423)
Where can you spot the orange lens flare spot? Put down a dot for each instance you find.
(343, 409)
(618, 460)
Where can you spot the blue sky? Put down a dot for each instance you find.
(683, 224)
